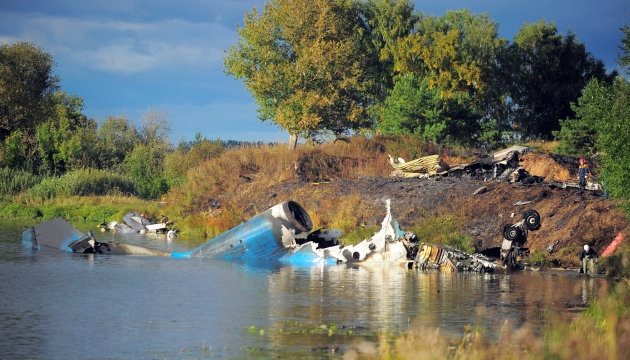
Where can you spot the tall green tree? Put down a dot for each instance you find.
(117, 137)
(385, 23)
(623, 58)
(415, 108)
(26, 82)
(67, 140)
(548, 72)
(303, 62)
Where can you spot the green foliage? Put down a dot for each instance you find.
(82, 183)
(415, 108)
(611, 107)
(116, 137)
(145, 165)
(188, 156)
(444, 230)
(14, 152)
(26, 82)
(304, 65)
(19, 211)
(623, 58)
(14, 181)
(67, 140)
(538, 257)
(577, 136)
(547, 72)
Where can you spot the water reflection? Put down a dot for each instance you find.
(155, 307)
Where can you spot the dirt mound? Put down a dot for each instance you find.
(552, 168)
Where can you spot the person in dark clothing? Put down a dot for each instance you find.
(587, 258)
(583, 173)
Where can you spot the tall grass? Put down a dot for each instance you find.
(14, 181)
(601, 332)
(81, 183)
(444, 229)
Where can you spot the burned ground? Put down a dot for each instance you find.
(334, 185)
(569, 217)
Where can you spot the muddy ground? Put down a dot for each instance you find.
(570, 218)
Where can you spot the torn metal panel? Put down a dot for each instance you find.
(431, 164)
(590, 185)
(54, 234)
(447, 259)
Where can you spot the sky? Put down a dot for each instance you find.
(125, 57)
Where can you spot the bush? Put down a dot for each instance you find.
(19, 211)
(82, 183)
(14, 181)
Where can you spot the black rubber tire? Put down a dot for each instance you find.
(532, 221)
(528, 212)
(513, 233)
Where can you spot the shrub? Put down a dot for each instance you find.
(82, 183)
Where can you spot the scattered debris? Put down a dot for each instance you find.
(551, 246)
(136, 223)
(282, 233)
(58, 234)
(521, 203)
(481, 190)
(447, 259)
(504, 166)
(425, 165)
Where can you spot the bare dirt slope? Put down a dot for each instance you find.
(569, 217)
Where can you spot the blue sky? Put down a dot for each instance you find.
(126, 56)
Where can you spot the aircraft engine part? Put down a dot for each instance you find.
(271, 235)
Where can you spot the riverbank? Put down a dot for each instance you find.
(344, 185)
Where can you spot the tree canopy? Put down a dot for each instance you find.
(26, 84)
(303, 63)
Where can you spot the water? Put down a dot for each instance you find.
(61, 305)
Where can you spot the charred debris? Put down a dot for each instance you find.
(501, 166)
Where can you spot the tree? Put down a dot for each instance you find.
(623, 58)
(548, 72)
(67, 139)
(117, 137)
(612, 110)
(578, 137)
(26, 82)
(384, 23)
(445, 64)
(415, 108)
(304, 65)
(456, 52)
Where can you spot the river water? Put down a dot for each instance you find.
(61, 305)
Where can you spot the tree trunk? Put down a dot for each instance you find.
(292, 141)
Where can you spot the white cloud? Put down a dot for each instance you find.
(126, 47)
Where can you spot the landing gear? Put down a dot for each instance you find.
(515, 236)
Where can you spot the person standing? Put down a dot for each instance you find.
(583, 173)
(587, 258)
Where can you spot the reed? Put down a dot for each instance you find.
(14, 181)
(601, 332)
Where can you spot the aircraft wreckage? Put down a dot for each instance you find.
(283, 233)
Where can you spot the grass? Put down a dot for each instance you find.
(445, 230)
(543, 146)
(601, 332)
